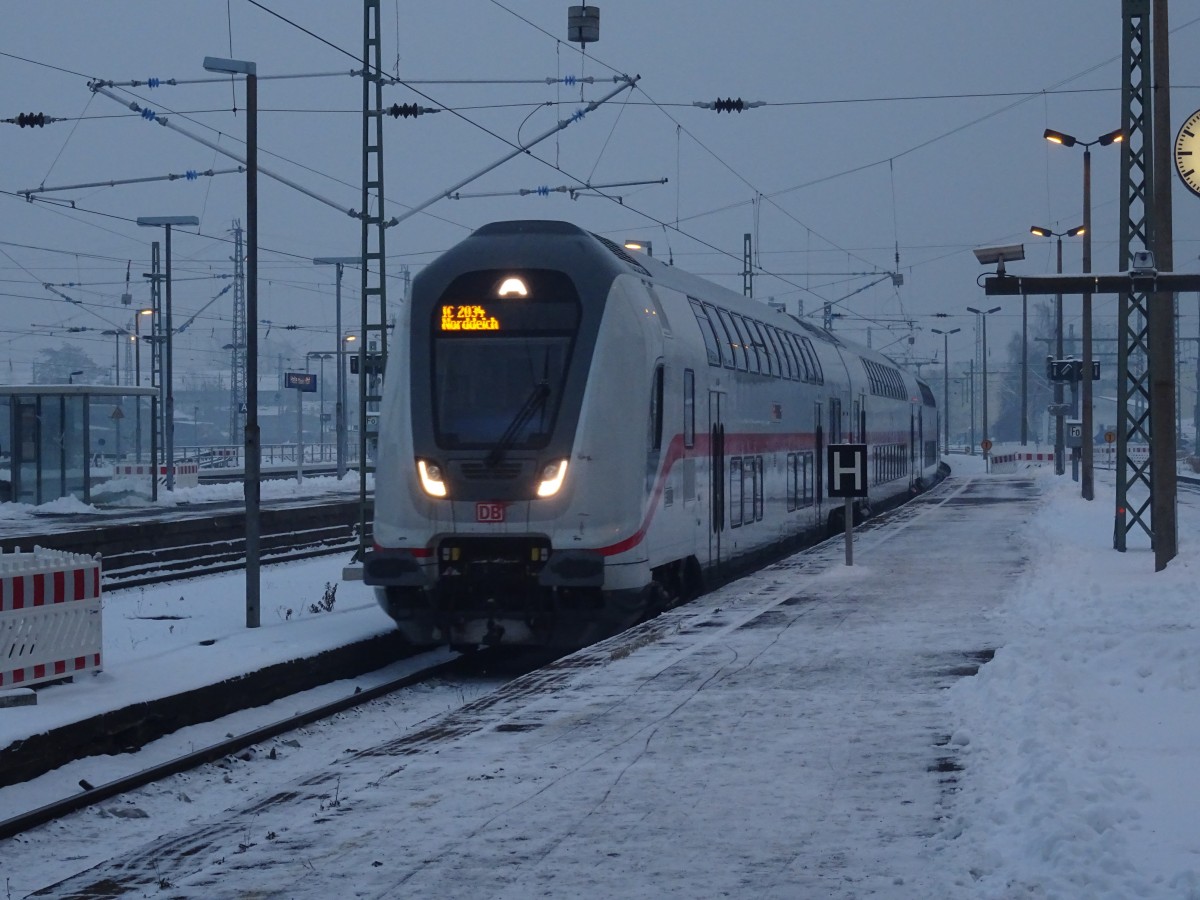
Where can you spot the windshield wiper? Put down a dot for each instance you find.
(535, 401)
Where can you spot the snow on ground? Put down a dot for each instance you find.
(131, 494)
(1080, 740)
(1082, 736)
(167, 639)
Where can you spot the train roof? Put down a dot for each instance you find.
(670, 276)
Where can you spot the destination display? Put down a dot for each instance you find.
(502, 303)
(468, 318)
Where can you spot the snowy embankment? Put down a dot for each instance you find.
(1081, 739)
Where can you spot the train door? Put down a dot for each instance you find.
(914, 434)
(716, 469)
(819, 446)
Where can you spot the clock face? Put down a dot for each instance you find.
(1187, 153)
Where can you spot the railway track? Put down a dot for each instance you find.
(458, 667)
(156, 550)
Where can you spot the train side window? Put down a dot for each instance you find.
(806, 479)
(792, 473)
(711, 344)
(783, 361)
(751, 489)
(737, 350)
(803, 372)
(656, 410)
(770, 364)
(818, 376)
(689, 408)
(758, 488)
(735, 491)
(835, 421)
(747, 340)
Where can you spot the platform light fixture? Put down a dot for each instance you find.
(253, 445)
(339, 406)
(946, 380)
(1060, 449)
(983, 314)
(1087, 479)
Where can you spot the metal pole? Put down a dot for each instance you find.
(299, 436)
(339, 411)
(985, 387)
(849, 516)
(972, 371)
(1160, 307)
(946, 391)
(169, 424)
(321, 424)
(253, 445)
(1024, 370)
(1087, 480)
(137, 362)
(1059, 442)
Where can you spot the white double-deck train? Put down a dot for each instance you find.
(574, 438)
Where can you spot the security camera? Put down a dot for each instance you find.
(1143, 263)
(989, 256)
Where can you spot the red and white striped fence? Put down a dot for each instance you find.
(1011, 461)
(186, 474)
(50, 616)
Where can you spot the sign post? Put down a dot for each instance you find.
(304, 383)
(846, 475)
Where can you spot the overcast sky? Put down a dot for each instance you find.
(909, 128)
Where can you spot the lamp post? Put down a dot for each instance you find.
(166, 222)
(137, 365)
(1059, 446)
(71, 376)
(946, 380)
(339, 405)
(646, 246)
(347, 349)
(253, 447)
(315, 354)
(1087, 482)
(116, 334)
(983, 314)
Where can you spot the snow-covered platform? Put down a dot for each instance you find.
(813, 730)
(785, 736)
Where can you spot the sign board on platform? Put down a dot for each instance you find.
(301, 381)
(846, 470)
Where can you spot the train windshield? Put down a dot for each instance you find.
(500, 359)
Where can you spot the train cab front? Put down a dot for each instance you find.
(498, 366)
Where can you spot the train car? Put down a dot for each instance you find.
(574, 438)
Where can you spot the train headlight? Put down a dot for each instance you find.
(431, 478)
(552, 478)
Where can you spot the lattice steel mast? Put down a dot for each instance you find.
(372, 347)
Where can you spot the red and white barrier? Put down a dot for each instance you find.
(1013, 460)
(186, 474)
(50, 616)
(1106, 454)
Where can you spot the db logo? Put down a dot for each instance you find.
(489, 512)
